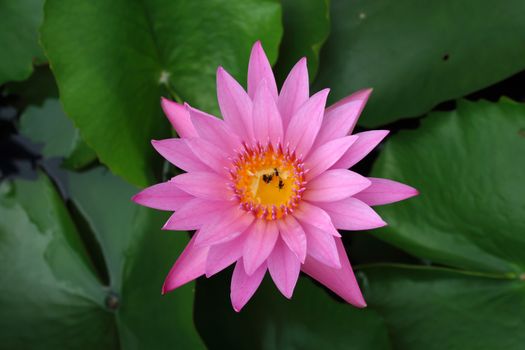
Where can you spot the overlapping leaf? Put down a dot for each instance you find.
(51, 291)
(468, 166)
(114, 59)
(417, 54)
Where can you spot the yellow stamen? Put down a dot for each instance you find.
(268, 182)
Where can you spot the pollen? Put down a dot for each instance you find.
(268, 181)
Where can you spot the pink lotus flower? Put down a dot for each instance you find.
(268, 187)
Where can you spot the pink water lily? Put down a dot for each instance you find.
(268, 187)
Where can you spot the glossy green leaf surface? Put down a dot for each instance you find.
(468, 166)
(417, 54)
(19, 22)
(114, 59)
(306, 28)
(434, 309)
(50, 127)
(312, 319)
(49, 295)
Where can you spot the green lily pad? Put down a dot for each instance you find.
(306, 28)
(114, 59)
(434, 309)
(50, 296)
(312, 319)
(468, 166)
(417, 54)
(50, 126)
(54, 295)
(19, 22)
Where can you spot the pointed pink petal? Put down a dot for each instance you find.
(235, 104)
(177, 152)
(295, 91)
(384, 191)
(305, 124)
(243, 286)
(204, 185)
(223, 255)
(231, 224)
(315, 216)
(284, 267)
(352, 214)
(341, 281)
(211, 155)
(163, 196)
(366, 142)
(194, 213)
(190, 265)
(267, 124)
(321, 246)
(293, 235)
(334, 185)
(178, 117)
(325, 156)
(260, 240)
(341, 118)
(260, 69)
(214, 129)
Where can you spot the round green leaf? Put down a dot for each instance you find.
(19, 22)
(137, 257)
(114, 59)
(50, 296)
(434, 309)
(49, 126)
(468, 166)
(306, 27)
(417, 54)
(310, 320)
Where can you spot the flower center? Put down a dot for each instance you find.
(268, 181)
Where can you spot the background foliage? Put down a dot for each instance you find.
(80, 83)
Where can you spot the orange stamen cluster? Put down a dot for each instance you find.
(268, 181)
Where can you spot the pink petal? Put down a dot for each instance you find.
(163, 196)
(204, 185)
(384, 191)
(293, 235)
(334, 185)
(235, 104)
(190, 265)
(178, 153)
(226, 227)
(315, 216)
(305, 124)
(243, 286)
(321, 246)
(214, 130)
(267, 122)
(193, 214)
(366, 142)
(179, 118)
(223, 255)
(209, 154)
(341, 281)
(352, 214)
(260, 69)
(295, 91)
(284, 268)
(260, 240)
(325, 156)
(341, 118)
